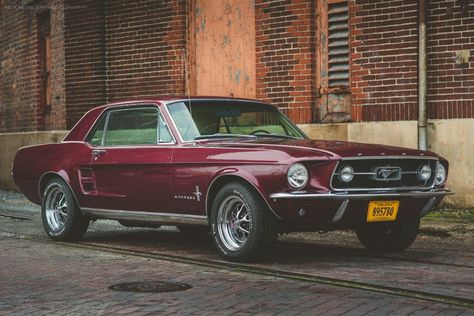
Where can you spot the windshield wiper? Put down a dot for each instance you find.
(223, 135)
(274, 135)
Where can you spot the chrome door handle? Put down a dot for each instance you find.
(97, 152)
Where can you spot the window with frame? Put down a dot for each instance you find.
(140, 126)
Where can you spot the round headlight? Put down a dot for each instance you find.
(440, 174)
(346, 174)
(297, 176)
(424, 173)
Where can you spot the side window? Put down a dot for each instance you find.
(132, 127)
(140, 126)
(96, 138)
(164, 135)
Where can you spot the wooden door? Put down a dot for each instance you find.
(223, 48)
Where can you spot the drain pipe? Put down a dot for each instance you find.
(422, 111)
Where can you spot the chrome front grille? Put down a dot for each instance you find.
(390, 173)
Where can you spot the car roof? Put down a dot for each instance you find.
(170, 99)
(82, 127)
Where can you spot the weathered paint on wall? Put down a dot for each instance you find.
(337, 131)
(454, 139)
(224, 48)
(11, 142)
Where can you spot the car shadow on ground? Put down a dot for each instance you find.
(172, 242)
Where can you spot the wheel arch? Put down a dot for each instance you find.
(223, 179)
(48, 176)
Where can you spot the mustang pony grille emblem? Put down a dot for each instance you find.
(388, 173)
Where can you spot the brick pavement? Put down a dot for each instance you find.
(41, 278)
(46, 278)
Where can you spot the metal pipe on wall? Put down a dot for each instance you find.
(422, 86)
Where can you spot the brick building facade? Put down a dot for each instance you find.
(324, 61)
(102, 51)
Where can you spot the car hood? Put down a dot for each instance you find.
(330, 149)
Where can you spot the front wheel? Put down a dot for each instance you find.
(62, 219)
(386, 237)
(242, 226)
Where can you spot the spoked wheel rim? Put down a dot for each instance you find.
(233, 223)
(56, 209)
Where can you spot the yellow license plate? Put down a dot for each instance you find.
(382, 211)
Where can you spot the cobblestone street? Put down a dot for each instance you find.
(39, 278)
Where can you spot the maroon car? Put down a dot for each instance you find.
(237, 166)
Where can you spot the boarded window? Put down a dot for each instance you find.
(338, 44)
(44, 45)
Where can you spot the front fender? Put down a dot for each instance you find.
(228, 175)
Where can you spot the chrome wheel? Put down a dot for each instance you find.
(56, 210)
(233, 222)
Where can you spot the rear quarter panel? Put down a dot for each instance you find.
(64, 159)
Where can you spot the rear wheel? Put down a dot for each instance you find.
(386, 237)
(241, 225)
(62, 219)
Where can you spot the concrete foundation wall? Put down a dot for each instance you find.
(11, 142)
(452, 139)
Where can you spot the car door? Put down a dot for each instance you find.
(130, 162)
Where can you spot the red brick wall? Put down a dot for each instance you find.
(146, 43)
(19, 82)
(384, 60)
(85, 58)
(20, 68)
(118, 50)
(285, 54)
(384, 52)
(122, 49)
(450, 28)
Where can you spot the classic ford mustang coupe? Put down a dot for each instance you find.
(237, 166)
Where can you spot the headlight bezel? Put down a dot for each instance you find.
(440, 166)
(297, 169)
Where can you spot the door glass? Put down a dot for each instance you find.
(164, 134)
(132, 127)
(95, 139)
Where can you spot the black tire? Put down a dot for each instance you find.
(193, 229)
(62, 219)
(386, 237)
(229, 235)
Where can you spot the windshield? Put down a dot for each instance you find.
(230, 118)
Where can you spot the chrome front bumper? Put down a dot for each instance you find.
(434, 197)
(361, 196)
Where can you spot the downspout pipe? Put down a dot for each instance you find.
(422, 74)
